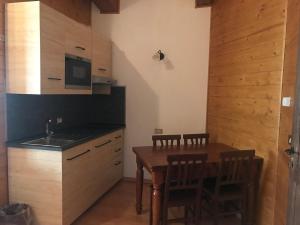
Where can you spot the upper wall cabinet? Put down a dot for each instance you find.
(36, 44)
(78, 39)
(101, 56)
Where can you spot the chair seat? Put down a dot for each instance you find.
(182, 197)
(226, 193)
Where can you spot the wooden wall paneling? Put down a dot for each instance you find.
(286, 120)
(108, 6)
(3, 156)
(203, 3)
(245, 75)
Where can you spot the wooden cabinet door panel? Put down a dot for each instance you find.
(78, 39)
(101, 57)
(76, 182)
(52, 67)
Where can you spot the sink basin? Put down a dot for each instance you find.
(49, 142)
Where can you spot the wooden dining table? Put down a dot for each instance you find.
(154, 160)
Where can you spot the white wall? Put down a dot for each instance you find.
(170, 95)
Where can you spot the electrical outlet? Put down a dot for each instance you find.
(59, 120)
(286, 101)
(158, 131)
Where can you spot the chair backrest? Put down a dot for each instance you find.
(196, 139)
(185, 171)
(235, 168)
(166, 140)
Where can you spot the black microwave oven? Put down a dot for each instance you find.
(77, 73)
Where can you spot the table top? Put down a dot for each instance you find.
(156, 158)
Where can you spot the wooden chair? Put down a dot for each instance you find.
(230, 188)
(166, 140)
(183, 187)
(163, 141)
(196, 139)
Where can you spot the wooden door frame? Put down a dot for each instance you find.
(294, 171)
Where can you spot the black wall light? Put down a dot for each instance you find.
(161, 55)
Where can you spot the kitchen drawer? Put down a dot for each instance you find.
(116, 171)
(117, 137)
(102, 142)
(117, 150)
(113, 173)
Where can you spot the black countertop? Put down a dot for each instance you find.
(80, 135)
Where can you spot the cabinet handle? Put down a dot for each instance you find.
(105, 143)
(54, 78)
(118, 150)
(77, 156)
(118, 137)
(80, 48)
(118, 163)
(102, 69)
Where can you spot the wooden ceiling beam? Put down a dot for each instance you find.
(203, 3)
(108, 6)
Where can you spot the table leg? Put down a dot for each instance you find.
(157, 180)
(139, 186)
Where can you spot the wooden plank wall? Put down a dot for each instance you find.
(245, 81)
(3, 164)
(288, 89)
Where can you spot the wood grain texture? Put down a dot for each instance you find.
(246, 68)
(101, 56)
(37, 34)
(203, 3)
(3, 161)
(121, 201)
(66, 183)
(286, 120)
(108, 6)
(79, 10)
(35, 178)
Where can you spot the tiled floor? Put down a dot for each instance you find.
(118, 208)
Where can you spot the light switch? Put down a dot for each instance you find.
(286, 101)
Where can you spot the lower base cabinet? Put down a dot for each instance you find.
(60, 186)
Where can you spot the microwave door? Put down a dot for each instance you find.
(78, 73)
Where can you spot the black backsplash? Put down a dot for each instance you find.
(27, 114)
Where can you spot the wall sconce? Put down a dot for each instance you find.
(159, 55)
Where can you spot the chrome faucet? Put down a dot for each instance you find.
(48, 131)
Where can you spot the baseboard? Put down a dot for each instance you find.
(132, 179)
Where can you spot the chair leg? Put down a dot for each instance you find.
(186, 215)
(243, 212)
(165, 216)
(216, 213)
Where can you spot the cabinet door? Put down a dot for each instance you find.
(100, 161)
(52, 51)
(76, 182)
(102, 57)
(78, 39)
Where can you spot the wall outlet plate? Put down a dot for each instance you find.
(286, 101)
(158, 131)
(59, 120)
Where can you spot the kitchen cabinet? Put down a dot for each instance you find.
(78, 39)
(61, 185)
(101, 56)
(36, 44)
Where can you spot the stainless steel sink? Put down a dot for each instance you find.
(49, 142)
